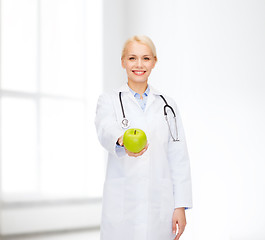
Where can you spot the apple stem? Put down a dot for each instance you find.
(134, 132)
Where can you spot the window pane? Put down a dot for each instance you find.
(19, 165)
(62, 47)
(63, 148)
(19, 44)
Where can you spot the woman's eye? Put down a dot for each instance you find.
(131, 58)
(146, 58)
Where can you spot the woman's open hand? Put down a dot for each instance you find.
(131, 154)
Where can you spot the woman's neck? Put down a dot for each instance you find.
(138, 87)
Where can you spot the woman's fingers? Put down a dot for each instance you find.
(120, 140)
(180, 231)
(131, 154)
(174, 226)
(144, 150)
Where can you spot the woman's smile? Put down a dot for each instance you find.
(138, 73)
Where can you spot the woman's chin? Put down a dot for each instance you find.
(138, 80)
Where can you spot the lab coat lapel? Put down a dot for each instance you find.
(150, 100)
(125, 89)
(151, 97)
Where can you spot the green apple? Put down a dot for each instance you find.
(134, 140)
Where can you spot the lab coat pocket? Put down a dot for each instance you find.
(113, 200)
(167, 200)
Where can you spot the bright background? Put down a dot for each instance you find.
(211, 60)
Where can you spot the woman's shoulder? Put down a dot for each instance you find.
(169, 99)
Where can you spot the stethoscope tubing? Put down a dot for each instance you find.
(175, 119)
(123, 114)
(165, 114)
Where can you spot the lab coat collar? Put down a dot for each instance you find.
(125, 88)
(151, 96)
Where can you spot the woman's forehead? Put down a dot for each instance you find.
(135, 48)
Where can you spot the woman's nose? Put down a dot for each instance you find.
(139, 63)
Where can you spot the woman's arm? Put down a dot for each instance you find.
(107, 127)
(180, 171)
(179, 163)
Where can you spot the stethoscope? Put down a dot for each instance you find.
(126, 124)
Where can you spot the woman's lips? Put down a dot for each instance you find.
(139, 73)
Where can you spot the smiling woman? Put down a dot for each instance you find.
(138, 58)
(145, 193)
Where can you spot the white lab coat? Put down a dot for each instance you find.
(140, 194)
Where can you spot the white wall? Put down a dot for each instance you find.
(114, 25)
(221, 67)
(212, 61)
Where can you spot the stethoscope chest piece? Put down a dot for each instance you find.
(125, 123)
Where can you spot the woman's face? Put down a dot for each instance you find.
(138, 62)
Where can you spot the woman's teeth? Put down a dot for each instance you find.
(139, 72)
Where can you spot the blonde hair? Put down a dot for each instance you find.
(141, 39)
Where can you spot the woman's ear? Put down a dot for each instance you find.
(122, 63)
(154, 63)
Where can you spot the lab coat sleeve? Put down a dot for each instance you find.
(108, 129)
(180, 166)
(120, 151)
